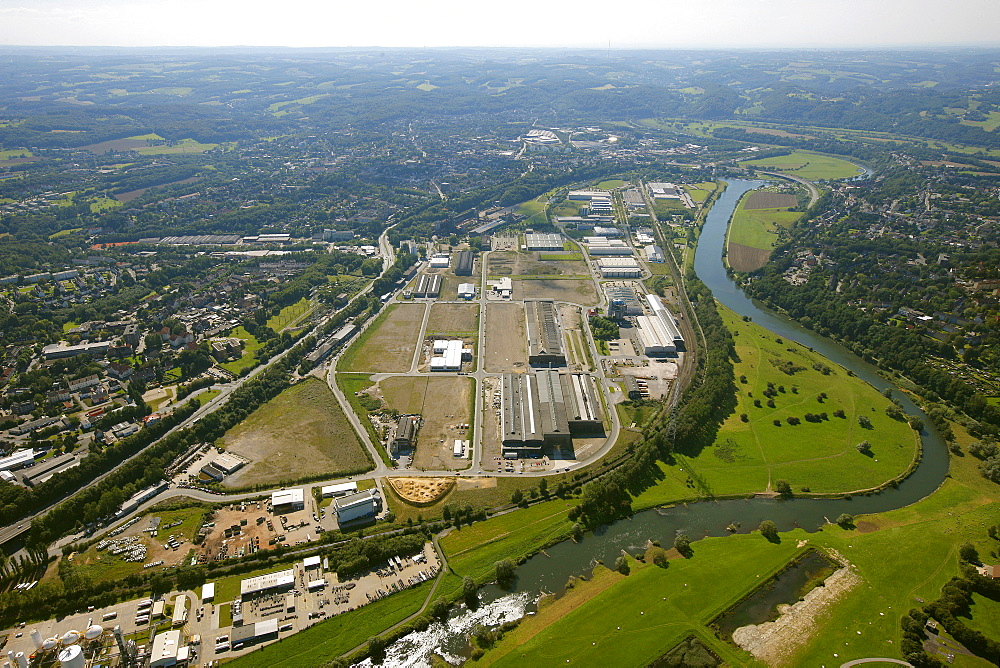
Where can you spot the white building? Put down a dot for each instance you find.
(356, 506)
(467, 291)
(166, 645)
(447, 355)
(440, 261)
(543, 242)
(601, 231)
(288, 500)
(619, 267)
(654, 253)
(276, 580)
(342, 489)
(602, 246)
(658, 333)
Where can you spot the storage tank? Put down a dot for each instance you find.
(94, 632)
(36, 638)
(22, 661)
(72, 657)
(49, 643)
(71, 637)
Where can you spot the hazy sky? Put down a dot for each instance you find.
(588, 23)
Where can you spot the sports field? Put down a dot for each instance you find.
(387, 346)
(820, 456)
(300, 433)
(808, 165)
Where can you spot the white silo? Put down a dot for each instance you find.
(36, 638)
(72, 657)
(21, 660)
(50, 643)
(94, 632)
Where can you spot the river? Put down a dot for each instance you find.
(550, 571)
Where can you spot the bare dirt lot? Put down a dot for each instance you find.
(577, 348)
(421, 491)
(746, 258)
(301, 432)
(510, 263)
(569, 290)
(444, 403)
(766, 200)
(506, 338)
(390, 348)
(453, 319)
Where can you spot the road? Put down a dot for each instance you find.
(24, 524)
(813, 191)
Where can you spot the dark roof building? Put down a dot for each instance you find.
(464, 261)
(545, 346)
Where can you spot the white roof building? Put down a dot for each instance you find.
(448, 357)
(165, 648)
(288, 497)
(340, 490)
(440, 261)
(276, 580)
(466, 290)
(208, 592)
(619, 267)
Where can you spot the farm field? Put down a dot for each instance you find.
(387, 346)
(506, 338)
(699, 192)
(300, 433)
(453, 319)
(746, 258)
(332, 637)
(808, 165)
(443, 403)
(755, 227)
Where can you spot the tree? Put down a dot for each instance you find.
(621, 565)
(505, 572)
(769, 530)
(376, 649)
(916, 424)
(864, 447)
(517, 497)
(470, 591)
(845, 520)
(683, 544)
(783, 488)
(864, 421)
(543, 487)
(968, 553)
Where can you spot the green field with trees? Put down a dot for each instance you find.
(807, 165)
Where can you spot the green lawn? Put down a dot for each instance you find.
(289, 314)
(821, 456)
(759, 228)
(808, 165)
(985, 615)
(474, 550)
(181, 146)
(646, 613)
(699, 192)
(333, 637)
(610, 185)
(104, 204)
(250, 349)
(533, 212)
(14, 153)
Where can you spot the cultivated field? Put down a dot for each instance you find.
(568, 290)
(761, 199)
(387, 346)
(506, 338)
(453, 319)
(300, 433)
(811, 166)
(746, 258)
(759, 227)
(443, 403)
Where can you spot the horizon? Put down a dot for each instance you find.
(308, 24)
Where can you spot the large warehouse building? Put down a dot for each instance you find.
(463, 263)
(364, 504)
(543, 242)
(546, 408)
(658, 333)
(428, 285)
(604, 246)
(619, 267)
(545, 345)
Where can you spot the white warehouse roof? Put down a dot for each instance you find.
(267, 581)
(288, 496)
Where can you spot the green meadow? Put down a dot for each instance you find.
(759, 228)
(807, 165)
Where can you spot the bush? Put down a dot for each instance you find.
(846, 521)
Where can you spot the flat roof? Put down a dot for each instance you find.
(362, 497)
(310, 562)
(342, 488)
(267, 581)
(287, 496)
(208, 592)
(165, 646)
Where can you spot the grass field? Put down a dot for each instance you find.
(533, 212)
(820, 456)
(759, 228)
(250, 349)
(330, 638)
(290, 315)
(474, 550)
(644, 614)
(699, 192)
(808, 165)
(454, 319)
(302, 432)
(388, 344)
(610, 185)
